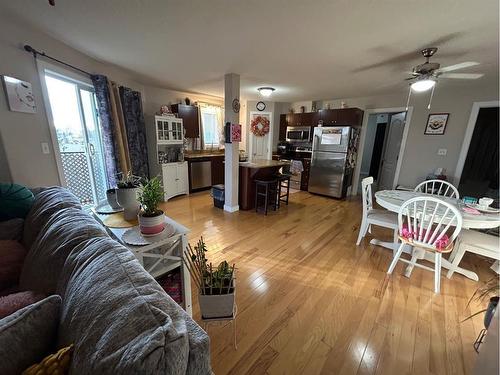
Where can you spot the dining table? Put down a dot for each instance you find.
(392, 200)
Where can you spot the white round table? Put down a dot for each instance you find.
(392, 200)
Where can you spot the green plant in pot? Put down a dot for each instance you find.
(216, 286)
(151, 218)
(126, 195)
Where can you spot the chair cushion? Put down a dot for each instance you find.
(12, 255)
(28, 335)
(383, 218)
(474, 239)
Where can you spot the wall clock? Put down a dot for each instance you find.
(236, 105)
(260, 106)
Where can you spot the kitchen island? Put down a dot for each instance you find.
(255, 170)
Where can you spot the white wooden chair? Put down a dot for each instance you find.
(438, 187)
(373, 216)
(477, 243)
(424, 231)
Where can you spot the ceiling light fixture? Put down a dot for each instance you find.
(422, 85)
(265, 91)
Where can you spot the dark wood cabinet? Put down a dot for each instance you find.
(217, 170)
(344, 116)
(283, 125)
(190, 119)
(302, 119)
(304, 181)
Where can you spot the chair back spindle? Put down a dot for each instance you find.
(438, 187)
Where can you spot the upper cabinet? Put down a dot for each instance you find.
(190, 119)
(168, 130)
(344, 116)
(303, 119)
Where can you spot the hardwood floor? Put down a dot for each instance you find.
(311, 302)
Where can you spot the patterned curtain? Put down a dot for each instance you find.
(136, 131)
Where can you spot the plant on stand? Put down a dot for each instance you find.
(216, 286)
(151, 218)
(126, 195)
(490, 289)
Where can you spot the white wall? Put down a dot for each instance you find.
(420, 157)
(21, 134)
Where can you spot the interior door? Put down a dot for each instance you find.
(392, 146)
(261, 146)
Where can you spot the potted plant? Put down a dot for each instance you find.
(151, 218)
(216, 286)
(126, 195)
(490, 289)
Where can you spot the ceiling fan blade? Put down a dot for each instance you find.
(461, 75)
(457, 66)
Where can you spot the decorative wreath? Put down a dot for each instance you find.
(260, 126)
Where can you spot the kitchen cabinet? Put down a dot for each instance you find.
(168, 130)
(190, 118)
(175, 179)
(283, 125)
(344, 116)
(302, 119)
(304, 182)
(217, 170)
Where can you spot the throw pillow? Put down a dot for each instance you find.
(16, 301)
(28, 335)
(15, 201)
(53, 364)
(12, 255)
(11, 229)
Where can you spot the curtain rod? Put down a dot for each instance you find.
(35, 53)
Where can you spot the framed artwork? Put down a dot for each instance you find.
(19, 95)
(436, 123)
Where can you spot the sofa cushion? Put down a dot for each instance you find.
(61, 234)
(28, 335)
(12, 255)
(11, 229)
(118, 317)
(15, 201)
(48, 202)
(11, 303)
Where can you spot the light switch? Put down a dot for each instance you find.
(442, 152)
(45, 148)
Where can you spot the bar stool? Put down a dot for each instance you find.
(268, 190)
(283, 183)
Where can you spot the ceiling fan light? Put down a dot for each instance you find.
(266, 91)
(423, 85)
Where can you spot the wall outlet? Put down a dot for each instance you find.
(442, 152)
(45, 148)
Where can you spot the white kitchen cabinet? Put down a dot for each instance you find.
(175, 179)
(169, 130)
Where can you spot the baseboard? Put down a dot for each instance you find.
(231, 208)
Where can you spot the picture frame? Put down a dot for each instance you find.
(19, 95)
(436, 123)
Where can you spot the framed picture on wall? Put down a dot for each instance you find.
(436, 123)
(19, 95)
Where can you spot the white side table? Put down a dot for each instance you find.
(160, 257)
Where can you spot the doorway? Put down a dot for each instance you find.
(261, 146)
(73, 117)
(382, 147)
(479, 177)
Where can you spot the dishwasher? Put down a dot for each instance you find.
(201, 174)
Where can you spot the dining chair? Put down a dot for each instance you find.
(424, 223)
(374, 216)
(438, 187)
(477, 243)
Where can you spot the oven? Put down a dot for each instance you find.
(298, 134)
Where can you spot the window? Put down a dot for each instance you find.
(211, 125)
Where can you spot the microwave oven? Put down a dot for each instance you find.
(298, 134)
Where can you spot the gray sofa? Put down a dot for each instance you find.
(116, 315)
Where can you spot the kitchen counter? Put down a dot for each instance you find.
(203, 154)
(263, 163)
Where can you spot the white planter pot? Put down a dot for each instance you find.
(151, 225)
(127, 198)
(216, 306)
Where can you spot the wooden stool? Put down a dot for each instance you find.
(283, 183)
(268, 190)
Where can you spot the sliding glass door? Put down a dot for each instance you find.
(75, 119)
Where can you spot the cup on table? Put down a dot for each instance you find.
(485, 202)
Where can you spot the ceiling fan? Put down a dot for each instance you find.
(425, 76)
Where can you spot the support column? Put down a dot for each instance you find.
(231, 154)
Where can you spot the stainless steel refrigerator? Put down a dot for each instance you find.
(333, 159)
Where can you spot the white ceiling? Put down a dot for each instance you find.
(306, 49)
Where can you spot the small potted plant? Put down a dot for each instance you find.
(216, 286)
(126, 195)
(151, 218)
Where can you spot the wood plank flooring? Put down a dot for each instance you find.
(311, 302)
